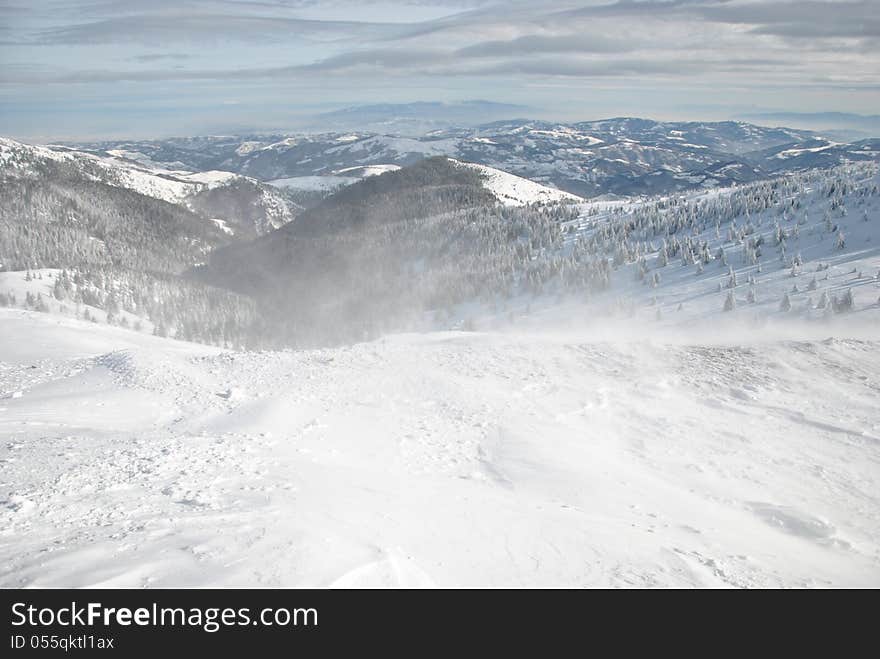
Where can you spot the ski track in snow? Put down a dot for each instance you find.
(448, 459)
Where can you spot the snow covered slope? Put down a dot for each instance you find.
(442, 459)
(333, 180)
(514, 190)
(511, 190)
(251, 207)
(24, 160)
(797, 248)
(802, 246)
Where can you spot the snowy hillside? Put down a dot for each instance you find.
(207, 193)
(37, 289)
(510, 190)
(805, 247)
(449, 459)
(427, 250)
(513, 190)
(333, 180)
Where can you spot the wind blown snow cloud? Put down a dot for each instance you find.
(585, 57)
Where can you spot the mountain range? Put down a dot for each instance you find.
(187, 239)
(413, 119)
(621, 156)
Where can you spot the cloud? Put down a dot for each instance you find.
(158, 57)
(790, 18)
(540, 43)
(427, 64)
(677, 67)
(380, 58)
(843, 13)
(195, 28)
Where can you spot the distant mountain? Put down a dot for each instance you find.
(415, 118)
(815, 154)
(622, 156)
(861, 125)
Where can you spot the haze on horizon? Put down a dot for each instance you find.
(77, 69)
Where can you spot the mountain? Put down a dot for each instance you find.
(860, 125)
(73, 206)
(436, 244)
(818, 153)
(242, 206)
(378, 253)
(442, 242)
(414, 118)
(511, 190)
(620, 156)
(731, 137)
(85, 236)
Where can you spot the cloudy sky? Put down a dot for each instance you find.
(92, 68)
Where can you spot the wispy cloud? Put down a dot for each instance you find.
(159, 57)
(549, 43)
(176, 27)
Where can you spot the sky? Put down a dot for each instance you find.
(91, 69)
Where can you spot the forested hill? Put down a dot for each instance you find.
(378, 254)
(432, 186)
(63, 219)
(426, 247)
(242, 207)
(73, 243)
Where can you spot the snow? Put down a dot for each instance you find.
(688, 296)
(245, 148)
(211, 179)
(135, 156)
(42, 283)
(11, 153)
(286, 142)
(112, 171)
(339, 178)
(223, 226)
(568, 458)
(565, 132)
(395, 147)
(368, 170)
(514, 190)
(143, 177)
(148, 183)
(790, 153)
(314, 182)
